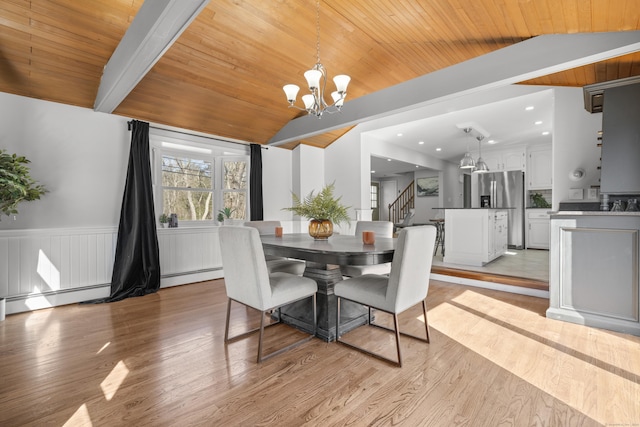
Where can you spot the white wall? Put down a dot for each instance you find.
(79, 155)
(574, 144)
(350, 170)
(425, 205)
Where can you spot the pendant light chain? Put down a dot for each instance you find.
(318, 31)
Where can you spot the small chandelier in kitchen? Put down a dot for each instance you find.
(314, 103)
(481, 166)
(467, 161)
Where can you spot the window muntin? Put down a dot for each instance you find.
(195, 179)
(374, 197)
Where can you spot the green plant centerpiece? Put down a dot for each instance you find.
(16, 185)
(322, 209)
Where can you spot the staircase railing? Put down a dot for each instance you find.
(400, 207)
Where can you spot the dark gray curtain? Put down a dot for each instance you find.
(136, 269)
(255, 184)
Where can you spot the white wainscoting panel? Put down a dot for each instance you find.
(189, 249)
(49, 267)
(52, 260)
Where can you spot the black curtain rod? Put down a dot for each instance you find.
(129, 123)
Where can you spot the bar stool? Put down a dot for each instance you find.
(439, 224)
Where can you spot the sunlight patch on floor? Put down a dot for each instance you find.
(532, 347)
(103, 347)
(112, 382)
(80, 418)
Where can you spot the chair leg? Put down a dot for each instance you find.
(396, 326)
(262, 315)
(426, 324)
(262, 358)
(338, 319)
(395, 330)
(363, 350)
(226, 328)
(227, 338)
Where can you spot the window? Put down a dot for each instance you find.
(235, 186)
(187, 187)
(374, 196)
(195, 178)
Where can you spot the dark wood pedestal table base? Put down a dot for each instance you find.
(323, 259)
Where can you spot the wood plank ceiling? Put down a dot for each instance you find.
(224, 75)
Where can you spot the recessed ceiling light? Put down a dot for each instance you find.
(491, 141)
(421, 142)
(388, 160)
(545, 133)
(399, 133)
(530, 107)
(539, 122)
(373, 171)
(438, 149)
(417, 166)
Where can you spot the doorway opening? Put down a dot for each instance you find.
(375, 198)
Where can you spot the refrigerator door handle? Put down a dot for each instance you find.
(494, 194)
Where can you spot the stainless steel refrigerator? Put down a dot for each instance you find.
(504, 190)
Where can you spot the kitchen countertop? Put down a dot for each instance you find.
(475, 208)
(592, 213)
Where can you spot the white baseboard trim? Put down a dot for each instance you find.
(183, 279)
(491, 285)
(33, 302)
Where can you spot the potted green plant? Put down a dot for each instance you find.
(322, 209)
(16, 185)
(164, 218)
(539, 201)
(225, 214)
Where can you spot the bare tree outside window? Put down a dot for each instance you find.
(188, 187)
(235, 187)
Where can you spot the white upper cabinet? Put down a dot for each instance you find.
(539, 168)
(505, 160)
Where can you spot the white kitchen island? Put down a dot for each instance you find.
(475, 236)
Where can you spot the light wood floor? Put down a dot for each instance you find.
(160, 360)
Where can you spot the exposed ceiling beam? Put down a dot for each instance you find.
(156, 26)
(536, 57)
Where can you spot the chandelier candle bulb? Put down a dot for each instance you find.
(341, 81)
(308, 100)
(292, 92)
(313, 79)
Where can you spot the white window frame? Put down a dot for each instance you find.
(196, 147)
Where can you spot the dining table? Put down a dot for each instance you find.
(323, 259)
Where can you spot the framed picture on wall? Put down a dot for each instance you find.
(427, 186)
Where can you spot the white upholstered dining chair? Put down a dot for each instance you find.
(277, 263)
(381, 229)
(248, 282)
(406, 285)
